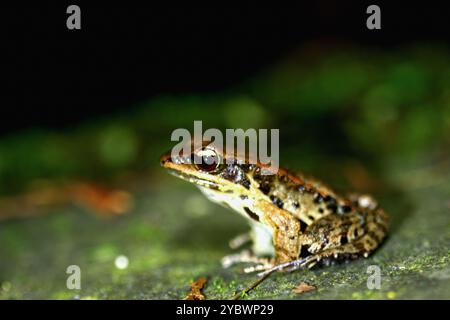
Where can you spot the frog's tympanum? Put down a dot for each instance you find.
(295, 222)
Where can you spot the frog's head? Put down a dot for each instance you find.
(228, 180)
(209, 167)
(231, 181)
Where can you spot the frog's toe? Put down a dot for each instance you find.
(267, 265)
(245, 256)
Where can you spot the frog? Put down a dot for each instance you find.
(296, 221)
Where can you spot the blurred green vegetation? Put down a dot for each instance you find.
(344, 113)
(379, 106)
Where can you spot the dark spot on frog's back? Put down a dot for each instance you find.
(344, 209)
(251, 214)
(318, 197)
(246, 183)
(330, 200)
(247, 167)
(265, 183)
(264, 187)
(332, 207)
(235, 174)
(277, 201)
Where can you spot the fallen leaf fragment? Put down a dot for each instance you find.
(302, 288)
(196, 288)
(43, 195)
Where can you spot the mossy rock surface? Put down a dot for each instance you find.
(175, 235)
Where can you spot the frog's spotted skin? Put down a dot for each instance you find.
(293, 218)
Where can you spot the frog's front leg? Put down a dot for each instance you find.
(261, 238)
(239, 240)
(245, 256)
(261, 252)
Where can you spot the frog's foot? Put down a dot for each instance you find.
(263, 266)
(291, 265)
(246, 256)
(239, 240)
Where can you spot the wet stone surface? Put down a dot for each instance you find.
(170, 243)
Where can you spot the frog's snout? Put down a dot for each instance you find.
(164, 159)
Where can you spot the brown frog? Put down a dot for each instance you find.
(295, 222)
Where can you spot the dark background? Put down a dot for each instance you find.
(125, 54)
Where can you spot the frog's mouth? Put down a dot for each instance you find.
(193, 179)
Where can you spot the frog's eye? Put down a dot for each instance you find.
(206, 160)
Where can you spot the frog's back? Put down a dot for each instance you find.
(331, 227)
(306, 198)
